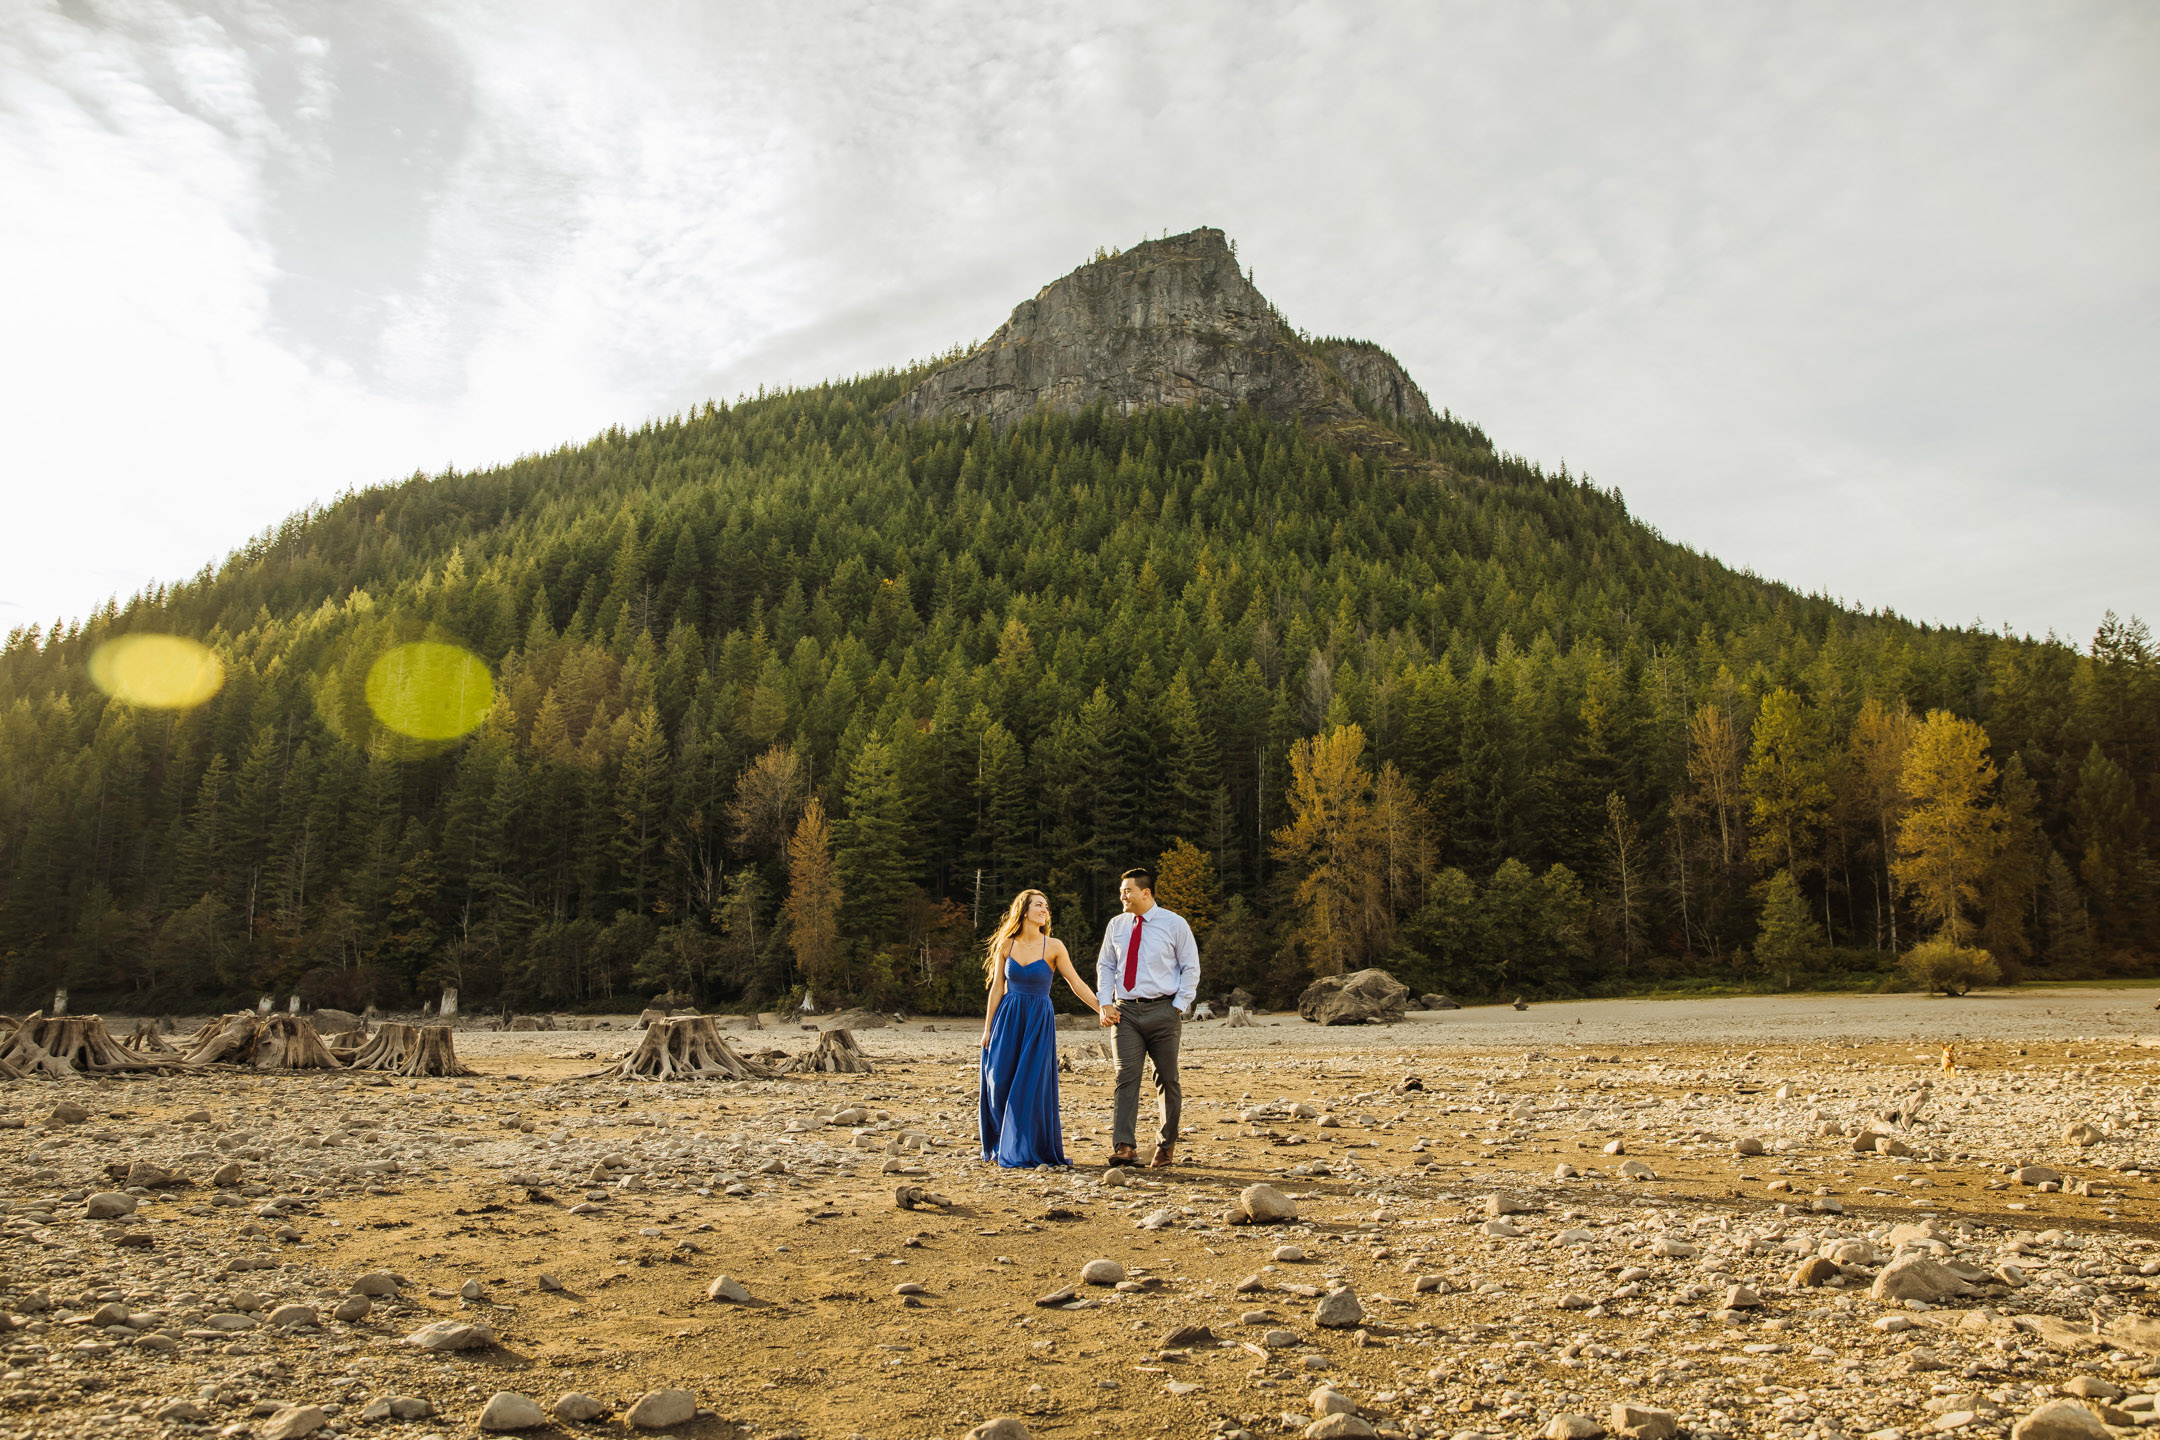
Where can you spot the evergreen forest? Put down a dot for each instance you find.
(790, 700)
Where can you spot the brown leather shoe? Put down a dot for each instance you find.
(1162, 1156)
(1124, 1155)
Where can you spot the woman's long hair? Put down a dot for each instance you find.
(1008, 928)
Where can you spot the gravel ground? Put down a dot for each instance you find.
(1462, 1206)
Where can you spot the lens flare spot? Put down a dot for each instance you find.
(159, 672)
(430, 691)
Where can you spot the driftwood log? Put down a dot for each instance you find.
(402, 1049)
(69, 1045)
(836, 1054)
(688, 1048)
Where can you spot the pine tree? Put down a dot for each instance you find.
(871, 848)
(1789, 940)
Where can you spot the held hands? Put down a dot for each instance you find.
(1110, 1016)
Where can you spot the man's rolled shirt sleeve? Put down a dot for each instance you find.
(1106, 962)
(1188, 963)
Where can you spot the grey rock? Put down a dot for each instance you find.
(2092, 1387)
(1355, 999)
(1571, 1427)
(352, 1308)
(398, 1407)
(452, 1335)
(2060, 1420)
(1327, 1400)
(1641, 1422)
(577, 1405)
(1815, 1271)
(508, 1410)
(292, 1317)
(375, 1282)
(1916, 1277)
(1004, 1427)
(1102, 1272)
(109, 1206)
(1339, 1309)
(1340, 1426)
(2038, 1175)
(1266, 1205)
(658, 1409)
(1168, 322)
(290, 1422)
(67, 1112)
(728, 1288)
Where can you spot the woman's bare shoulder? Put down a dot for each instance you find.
(1057, 949)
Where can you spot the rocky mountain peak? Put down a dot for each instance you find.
(1169, 322)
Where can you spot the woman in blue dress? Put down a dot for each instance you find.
(1019, 1101)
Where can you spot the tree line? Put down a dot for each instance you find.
(787, 698)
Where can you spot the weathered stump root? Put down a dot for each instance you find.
(229, 1040)
(289, 1042)
(836, 1054)
(145, 1039)
(69, 1045)
(687, 1048)
(403, 1049)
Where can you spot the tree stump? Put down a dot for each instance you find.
(145, 1039)
(836, 1054)
(227, 1040)
(688, 1048)
(289, 1042)
(347, 1043)
(410, 1050)
(68, 1045)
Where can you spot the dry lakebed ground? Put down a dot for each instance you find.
(1782, 1216)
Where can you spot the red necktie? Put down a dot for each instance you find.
(1132, 956)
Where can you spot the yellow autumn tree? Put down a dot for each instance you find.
(1185, 882)
(813, 900)
(1876, 779)
(1951, 827)
(1342, 891)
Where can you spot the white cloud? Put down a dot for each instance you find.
(1859, 298)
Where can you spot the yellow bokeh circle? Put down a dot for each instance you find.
(160, 672)
(430, 691)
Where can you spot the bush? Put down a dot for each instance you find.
(1946, 966)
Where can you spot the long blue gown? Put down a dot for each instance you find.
(1019, 1098)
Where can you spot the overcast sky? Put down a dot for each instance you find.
(1863, 297)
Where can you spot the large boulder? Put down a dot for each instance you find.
(855, 1020)
(1364, 996)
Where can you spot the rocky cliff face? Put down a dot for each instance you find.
(1168, 322)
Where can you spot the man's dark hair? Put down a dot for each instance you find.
(1143, 875)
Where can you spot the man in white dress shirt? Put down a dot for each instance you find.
(1146, 977)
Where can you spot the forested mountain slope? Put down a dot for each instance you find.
(800, 691)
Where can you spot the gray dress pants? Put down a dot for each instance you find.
(1147, 1029)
